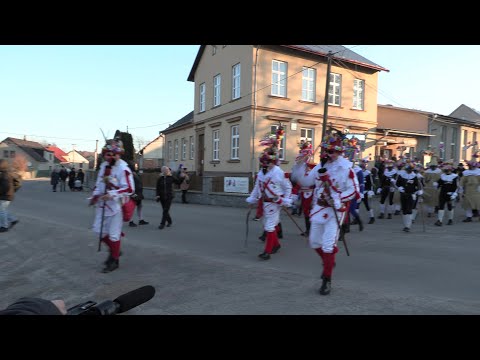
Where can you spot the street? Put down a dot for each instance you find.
(201, 266)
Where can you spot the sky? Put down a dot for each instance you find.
(68, 95)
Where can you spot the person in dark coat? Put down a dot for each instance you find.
(54, 179)
(164, 194)
(137, 197)
(71, 179)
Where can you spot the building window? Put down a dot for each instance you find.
(443, 138)
(216, 143)
(281, 146)
(358, 94)
(308, 84)
(202, 97)
(80, 165)
(192, 148)
(453, 144)
(465, 144)
(5, 154)
(236, 82)
(235, 142)
(279, 78)
(217, 83)
(12, 154)
(306, 134)
(175, 147)
(334, 89)
(184, 148)
(170, 152)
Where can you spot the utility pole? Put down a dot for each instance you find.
(327, 86)
(73, 155)
(95, 156)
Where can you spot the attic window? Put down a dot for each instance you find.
(214, 49)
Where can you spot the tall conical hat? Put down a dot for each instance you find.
(271, 141)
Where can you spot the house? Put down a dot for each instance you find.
(76, 160)
(28, 156)
(60, 156)
(90, 156)
(243, 92)
(421, 134)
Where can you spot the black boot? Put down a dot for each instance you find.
(264, 256)
(360, 224)
(280, 231)
(111, 265)
(468, 219)
(372, 220)
(326, 286)
(263, 236)
(381, 216)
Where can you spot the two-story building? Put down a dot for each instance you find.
(243, 92)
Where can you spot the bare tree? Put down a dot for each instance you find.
(139, 142)
(20, 163)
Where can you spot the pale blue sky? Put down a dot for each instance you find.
(65, 94)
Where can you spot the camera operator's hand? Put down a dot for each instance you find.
(35, 306)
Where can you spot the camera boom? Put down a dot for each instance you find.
(120, 305)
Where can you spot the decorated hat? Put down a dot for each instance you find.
(332, 142)
(351, 147)
(447, 166)
(271, 141)
(306, 151)
(113, 145)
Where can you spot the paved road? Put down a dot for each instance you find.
(200, 265)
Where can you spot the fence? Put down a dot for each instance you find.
(205, 190)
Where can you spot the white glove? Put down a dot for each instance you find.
(420, 192)
(392, 180)
(435, 184)
(379, 191)
(453, 196)
(287, 202)
(392, 189)
(362, 196)
(449, 193)
(251, 200)
(370, 193)
(414, 197)
(401, 189)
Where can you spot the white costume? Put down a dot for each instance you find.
(120, 188)
(275, 190)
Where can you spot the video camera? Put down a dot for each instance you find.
(120, 305)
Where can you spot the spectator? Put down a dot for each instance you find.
(164, 192)
(184, 185)
(7, 190)
(81, 177)
(54, 179)
(63, 177)
(71, 179)
(137, 197)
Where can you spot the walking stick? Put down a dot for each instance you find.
(291, 217)
(421, 214)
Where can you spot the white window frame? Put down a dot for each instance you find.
(235, 143)
(236, 80)
(281, 146)
(279, 78)
(335, 90)
(358, 94)
(202, 97)
(175, 149)
(217, 90)
(308, 134)
(309, 76)
(184, 148)
(192, 148)
(216, 144)
(170, 151)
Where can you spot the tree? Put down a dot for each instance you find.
(127, 145)
(20, 163)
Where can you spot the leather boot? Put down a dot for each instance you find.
(111, 265)
(279, 231)
(263, 236)
(326, 286)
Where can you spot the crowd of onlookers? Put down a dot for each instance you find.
(63, 176)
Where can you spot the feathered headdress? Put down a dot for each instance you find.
(352, 148)
(306, 151)
(113, 145)
(271, 141)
